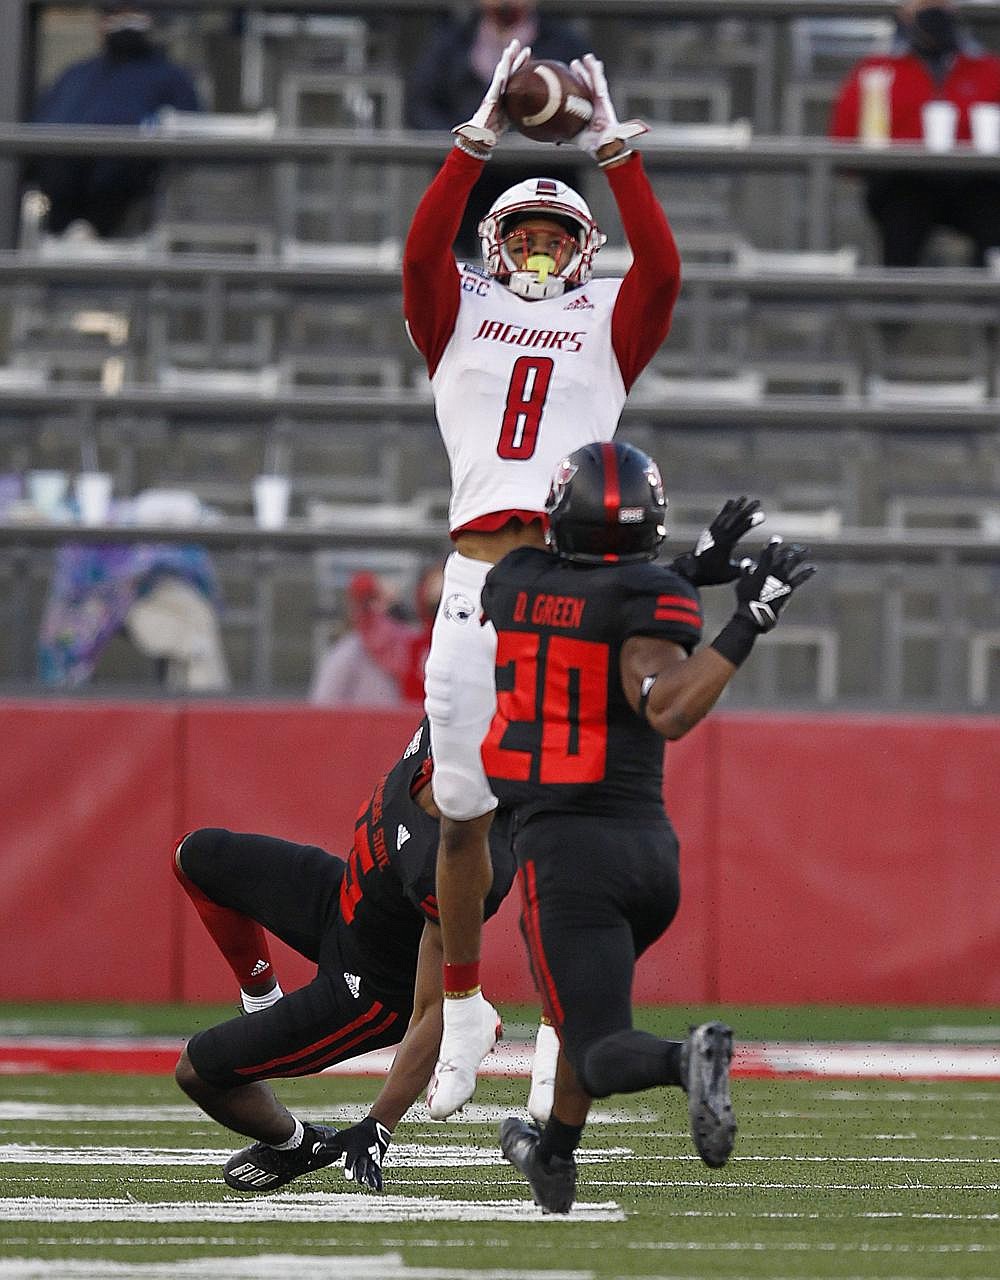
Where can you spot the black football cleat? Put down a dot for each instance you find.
(260, 1168)
(552, 1182)
(705, 1058)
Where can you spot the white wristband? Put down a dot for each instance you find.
(469, 150)
(615, 159)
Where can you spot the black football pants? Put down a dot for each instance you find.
(596, 892)
(293, 890)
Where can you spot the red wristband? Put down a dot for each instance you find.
(461, 979)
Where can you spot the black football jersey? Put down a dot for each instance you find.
(387, 892)
(564, 737)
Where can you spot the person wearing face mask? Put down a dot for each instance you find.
(125, 83)
(453, 72)
(932, 59)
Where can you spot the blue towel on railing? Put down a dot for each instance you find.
(92, 590)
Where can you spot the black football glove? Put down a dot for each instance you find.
(363, 1147)
(711, 562)
(762, 593)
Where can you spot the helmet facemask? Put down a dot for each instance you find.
(538, 264)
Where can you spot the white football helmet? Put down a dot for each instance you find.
(549, 198)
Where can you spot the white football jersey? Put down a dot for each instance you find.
(520, 385)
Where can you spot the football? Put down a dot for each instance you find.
(546, 101)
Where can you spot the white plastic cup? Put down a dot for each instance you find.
(939, 121)
(92, 490)
(46, 491)
(270, 501)
(984, 121)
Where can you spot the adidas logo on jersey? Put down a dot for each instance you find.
(579, 304)
(402, 835)
(414, 743)
(353, 984)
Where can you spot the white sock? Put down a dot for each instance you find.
(298, 1133)
(464, 1011)
(252, 1004)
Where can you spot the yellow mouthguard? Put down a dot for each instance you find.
(543, 264)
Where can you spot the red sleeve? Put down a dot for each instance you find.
(430, 277)
(387, 641)
(645, 303)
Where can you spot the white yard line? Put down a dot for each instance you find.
(388, 1266)
(404, 1156)
(416, 1155)
(345, 1113)
(314, 1208)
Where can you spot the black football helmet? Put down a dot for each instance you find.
(606, 505)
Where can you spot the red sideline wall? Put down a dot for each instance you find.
(833, 858)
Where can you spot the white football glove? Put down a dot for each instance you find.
(604, 126)
(490, 120)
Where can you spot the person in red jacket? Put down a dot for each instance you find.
(932, 59)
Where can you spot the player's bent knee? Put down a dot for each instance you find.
(197, 849)
(188, 1080)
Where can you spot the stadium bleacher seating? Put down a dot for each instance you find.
(262, 313)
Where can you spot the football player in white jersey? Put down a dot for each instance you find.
(529, 358)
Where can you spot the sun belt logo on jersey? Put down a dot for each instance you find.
(459, 608)
(579, 304)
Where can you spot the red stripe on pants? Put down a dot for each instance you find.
(533, 932)
(342, 1051)
(307, 1050)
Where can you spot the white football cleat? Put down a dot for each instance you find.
(471, 1029)
(543, 1073)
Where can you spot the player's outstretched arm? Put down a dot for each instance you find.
(645, 302)
(430, 279)
(605, 137)
(673, 692)
(364, 1145)
(480, 134)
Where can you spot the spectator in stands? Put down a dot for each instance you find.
(451, 76)
(348, 675)
(379, 661)
(126, 83)
(932, 58)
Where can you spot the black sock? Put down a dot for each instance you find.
(559, 1139)
(628, 1061)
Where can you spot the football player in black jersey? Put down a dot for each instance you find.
(370, 925)
(596, 665)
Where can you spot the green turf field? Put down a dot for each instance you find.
(105, 1176)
